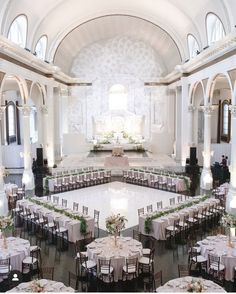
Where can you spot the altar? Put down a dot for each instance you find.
(116, 162)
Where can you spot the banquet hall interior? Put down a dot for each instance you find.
(118, 146)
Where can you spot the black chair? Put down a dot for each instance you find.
(105, 270)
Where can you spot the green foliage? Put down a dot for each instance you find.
(83, 222)
(148, 220)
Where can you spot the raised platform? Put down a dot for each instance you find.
(136, 160)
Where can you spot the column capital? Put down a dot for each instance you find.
(44, 109)
(208, 109)
(191, 108)
(232, 109)
(25, 110)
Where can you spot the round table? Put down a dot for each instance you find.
(219, 245)
(17, 249)
(48, 286)
(105, 247)
(181, 285)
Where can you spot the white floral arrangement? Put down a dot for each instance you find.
(228, 220)
(195, 286)
(6, 223)
(36, 286)
(115, 224)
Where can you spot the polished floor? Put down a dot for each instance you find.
(117, 197)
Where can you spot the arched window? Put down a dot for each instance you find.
(225, 125)
(11, 123)
(215, 28)
(193, 46)
(18, 31)
(117, 97)
(40, 48)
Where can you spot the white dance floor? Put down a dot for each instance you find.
(117, 197)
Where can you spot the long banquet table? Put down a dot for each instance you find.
(159, 224)
(105, 247)
(219, 245)
(71, 224)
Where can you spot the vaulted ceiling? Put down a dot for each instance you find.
(74, 24)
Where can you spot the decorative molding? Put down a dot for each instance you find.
(208, 109)
(25, 110)
(191, 108)
(232, 109)
(44, 109)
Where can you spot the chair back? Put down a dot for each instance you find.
(75, 206)
(149, 208)
(214, 260)
(180, 198)
(47, 273)
(55, 199)
(104, 265)
(49, 198)
(131, 264)
(64, 203)
(158, 279)
(5, 265)
(74, 278)
(85, 210)
(56, 224)
(159, 205)
(172, 201)
(183, 270)
(136, 235)
(140, 211)
(96, 216)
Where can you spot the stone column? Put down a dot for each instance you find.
(44, 111)
(206, 176)
(231, 196)
(3, 198)
(50, 127)
(28, 177)
(191, 109)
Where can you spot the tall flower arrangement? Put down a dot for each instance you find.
(115, 224)
(228, 221)
(6, 223)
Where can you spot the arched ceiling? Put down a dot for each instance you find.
(117, 25)
(57, 18)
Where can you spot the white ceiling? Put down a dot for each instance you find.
(117, 25)
(57, 18)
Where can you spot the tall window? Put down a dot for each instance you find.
(40, 48)
(193, 46)
(225, 125)
(18, 31)
(215, 28)
(11, 123)
(117, 97)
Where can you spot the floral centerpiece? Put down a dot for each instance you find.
(115, 224)
(36, 286)
(195, 286)
(6, 224)
(228, 221)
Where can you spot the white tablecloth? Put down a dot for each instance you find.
(72, 225)
(159, 224)
(17, 250)
(48, 285)
(105, 247)
(218, 245)
(181, 285)
(116, 161)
